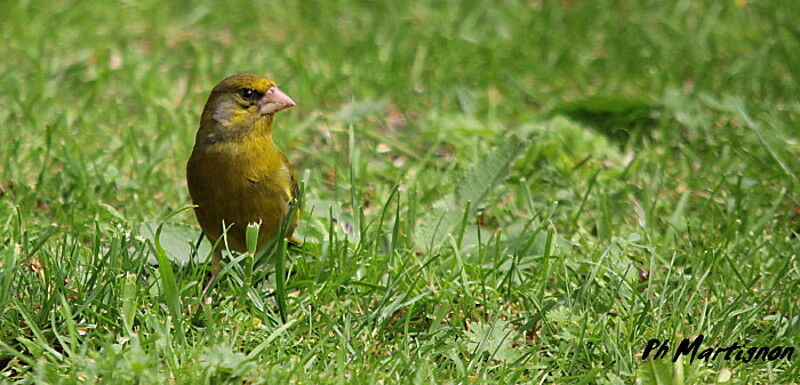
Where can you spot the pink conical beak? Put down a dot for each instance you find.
(274, 100)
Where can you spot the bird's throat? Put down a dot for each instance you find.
(236, 129)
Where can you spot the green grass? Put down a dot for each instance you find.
(495, 191)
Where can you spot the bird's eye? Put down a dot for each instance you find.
(249, 94)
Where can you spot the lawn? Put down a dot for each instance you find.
(495, 192)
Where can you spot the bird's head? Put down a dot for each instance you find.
(241, 103)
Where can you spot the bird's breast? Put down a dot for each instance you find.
(238, 184)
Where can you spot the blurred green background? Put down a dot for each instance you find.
(607, 172)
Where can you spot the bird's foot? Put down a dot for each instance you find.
(294, 242)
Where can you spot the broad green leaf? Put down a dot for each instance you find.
(178, 242)
(477, 182)
(494, 340)
(221, 359)
(612, 115)
(655, 372)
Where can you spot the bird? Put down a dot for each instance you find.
(236, 175)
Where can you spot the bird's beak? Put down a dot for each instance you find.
(273, 101)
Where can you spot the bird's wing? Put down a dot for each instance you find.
(294, 200)
(294, 187)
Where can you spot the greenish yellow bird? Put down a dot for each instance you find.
(236, 174)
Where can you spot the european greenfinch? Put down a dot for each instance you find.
(236, 174)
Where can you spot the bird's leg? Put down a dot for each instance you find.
(216, 266)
